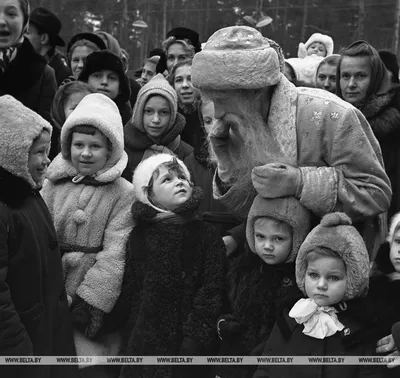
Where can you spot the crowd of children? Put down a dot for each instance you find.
(124, 251)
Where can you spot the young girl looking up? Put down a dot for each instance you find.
(174, 277)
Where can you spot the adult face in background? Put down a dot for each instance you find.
(361, 74)
(183, 85)
(148, 71)
(11, 22)
(326, 77)
(78, 54)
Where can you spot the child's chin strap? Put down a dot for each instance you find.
(319, 322)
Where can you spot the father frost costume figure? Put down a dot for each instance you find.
(287, 141)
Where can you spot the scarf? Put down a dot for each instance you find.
(319, 322)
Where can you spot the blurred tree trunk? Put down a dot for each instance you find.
(361, 18)
(165, 11)
(395, 44)
(304, 22)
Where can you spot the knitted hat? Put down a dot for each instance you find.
(316, 37)
(19, 127)
(394, 226)
(336, 233)
(185, 33)
(285, 209)
(101, 112)
(237, 57)
(91, 37)
(158, 85)
(106, 60)
(305, 69)
(144, 172)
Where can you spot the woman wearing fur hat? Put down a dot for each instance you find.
(335, 318)
(34, 312)
(174, 275)
(262, 278)
(364, 82)
(155, 126)
(90, 204)
(105, 73)
(24, 74)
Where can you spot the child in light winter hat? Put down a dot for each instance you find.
(174, 275)
(336, 318)
(155, 126)
(318, 44)
(90, 202)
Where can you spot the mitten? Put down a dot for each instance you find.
(228, 329)
(276, 180)
(190, 347)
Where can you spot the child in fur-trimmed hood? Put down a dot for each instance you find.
(336, 318)
(174, 276)
(90, 204)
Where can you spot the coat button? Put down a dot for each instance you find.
(346, 331)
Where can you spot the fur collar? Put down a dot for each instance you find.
(137, 140)
(24, 71)
(185, 212)
(382, 113)
(14, 190)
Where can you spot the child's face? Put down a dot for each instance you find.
(207, 112)
(273, 241)
(170, 189)
(38, 160)
(156, 116)
(89, 153)
(326, 78)
(184, 88)
(106, 82)
(326, 280)
(316, 48)
(395, 251)
(72, 102)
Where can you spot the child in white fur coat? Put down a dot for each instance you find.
(90, 205)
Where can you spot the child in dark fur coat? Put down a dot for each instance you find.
(174, 275)
(261, 278)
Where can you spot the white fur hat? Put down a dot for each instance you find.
(394, 225)
(305, 69)
(19, 127)
(316, 37)
(144, 172)
(101, 112)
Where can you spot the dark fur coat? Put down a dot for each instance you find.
(383, 114)
(172, 289)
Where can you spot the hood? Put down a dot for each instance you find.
(19, 127)
(101, 112)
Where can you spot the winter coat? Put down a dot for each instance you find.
(338, 155)
(125, 110)
(358, 338)
(33, 303)
(202, 173)
(30, 80)
(173, 288)
(137, 142)
(193, 133)
(58, 63)
(256, 292)
(383, 114)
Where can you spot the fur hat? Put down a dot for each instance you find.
(185, 33)
(316, 37)
(106, 60)
(144, 172)
(158, 85)
(335, 232)
(394, 226)
(101, 112)
(237, 57)
(285, 209)
(305, 69)
(19, 127)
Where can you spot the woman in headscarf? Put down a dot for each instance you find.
(24, 74)
(364, 82)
